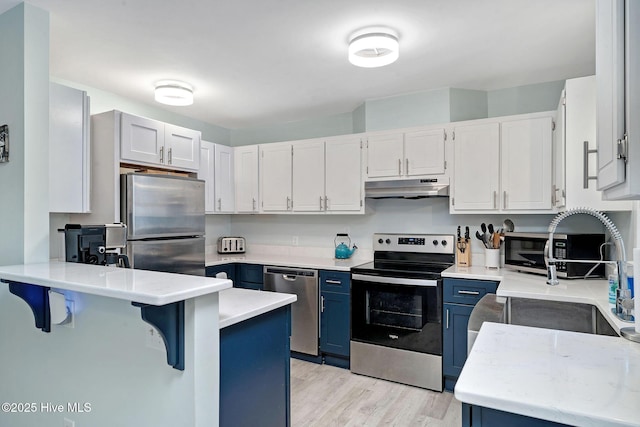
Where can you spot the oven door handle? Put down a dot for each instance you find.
(394, 280)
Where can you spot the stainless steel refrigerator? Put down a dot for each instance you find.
(165, 222)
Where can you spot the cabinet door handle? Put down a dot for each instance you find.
(288, 203)
(406, 171)
(326, 203)
(585, 160)
(219, 204)
(447, 318)
(253, 204)
(399, 166)
(161, 154)
(468, 292)
(170, 155)
(322, 304)
(504, 199)
(333, 282)
(495, 199)
(321, 203)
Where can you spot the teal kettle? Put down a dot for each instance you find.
(342, 243)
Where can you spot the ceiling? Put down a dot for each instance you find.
(255, 62)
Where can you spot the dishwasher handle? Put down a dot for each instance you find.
(289, 277)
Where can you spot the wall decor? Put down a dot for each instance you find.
(4, 143)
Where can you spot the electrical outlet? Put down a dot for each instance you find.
(154, 339)
(69, 423)
(71, 320)
(294, 241)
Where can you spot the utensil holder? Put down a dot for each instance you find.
(492, 258)
(463, 255)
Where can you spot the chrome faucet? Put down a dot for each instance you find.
(623, 293)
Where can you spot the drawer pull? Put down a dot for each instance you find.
(469, 292)
(447, 318)
(333, 282)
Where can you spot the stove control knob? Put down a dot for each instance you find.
(435, 243)
(388, 241)
(444, 243)
(380, 241)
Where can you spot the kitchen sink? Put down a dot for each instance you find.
(566, 316)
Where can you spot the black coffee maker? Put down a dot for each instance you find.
(96, 244)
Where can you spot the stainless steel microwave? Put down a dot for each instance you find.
(525, 252)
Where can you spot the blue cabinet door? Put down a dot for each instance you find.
(250, 276)
(334, 324)
(454, 324)
(230, 269)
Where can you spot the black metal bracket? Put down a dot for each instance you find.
(169, 321)
(37, 297)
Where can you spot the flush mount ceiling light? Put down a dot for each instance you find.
(174, 93)
(373, 49)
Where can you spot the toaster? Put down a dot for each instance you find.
(231, 245)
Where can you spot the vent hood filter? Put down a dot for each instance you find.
(407, 188)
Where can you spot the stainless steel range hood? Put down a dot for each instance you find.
(407, 188)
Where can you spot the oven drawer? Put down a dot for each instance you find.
(467, 291)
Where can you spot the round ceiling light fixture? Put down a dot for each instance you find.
(171, 92)
(376, 48)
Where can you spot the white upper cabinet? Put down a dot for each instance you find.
(477, 167)
(577, 140)
(246, 178)
(385, 155)
(618, 105)
(308, 176)
(206, 173)
(275, 177)
(224, 179)
(558, 189)
(153, 143)
(343, 174)
(503, 165)
(69, 150)
(424, 152)
(526, 167)
(406, 154)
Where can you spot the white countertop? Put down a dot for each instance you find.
(285, 260)
(566, 377)
(237, 305)
(148, 287)
(526, 285)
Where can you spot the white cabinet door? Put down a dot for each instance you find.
(182, 147)
(308, 176)
(610, 63)
(343, 174)
(224, 189)
(141, 140)
(526, 164)
(275, 177)
(477, 167)
(206, 173)
(558, 188)
(246, 178)
(424, 152)
(69, 150)
(385, 155)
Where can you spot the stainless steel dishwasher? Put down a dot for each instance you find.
(304, 312)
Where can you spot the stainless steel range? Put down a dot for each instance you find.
(396, 309)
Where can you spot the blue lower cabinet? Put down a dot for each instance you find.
(230, 269)
(250, 276)
(478, 416)
(335, 317)
(454, 338)
(255, 371)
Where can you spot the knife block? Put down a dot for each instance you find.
(464, 258)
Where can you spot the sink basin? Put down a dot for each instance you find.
(566, 316)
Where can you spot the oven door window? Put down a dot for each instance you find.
(397, 316)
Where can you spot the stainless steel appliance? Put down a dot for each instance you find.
(396, 309)
(166, 222)
(525, 252)
(305, 327)
(231, 245)
(96, 244)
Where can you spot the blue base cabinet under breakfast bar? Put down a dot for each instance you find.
(460, 296)
(335, 317)
(255, 371)
(478, 416)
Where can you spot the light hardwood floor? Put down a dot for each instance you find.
(324, 395)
